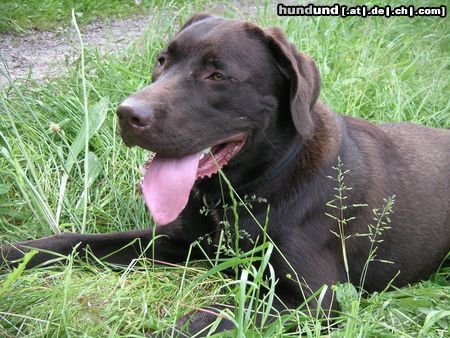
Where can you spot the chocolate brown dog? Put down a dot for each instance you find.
(229, 94)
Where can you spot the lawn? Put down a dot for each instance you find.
(381, 69)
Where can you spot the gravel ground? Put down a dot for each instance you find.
(47, 53)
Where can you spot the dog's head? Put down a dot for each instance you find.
(221, 93)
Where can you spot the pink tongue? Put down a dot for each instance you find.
(167, 184)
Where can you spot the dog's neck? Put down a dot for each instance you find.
(278, 169)
(301, 159)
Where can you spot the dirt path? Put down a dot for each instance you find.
(47, 53)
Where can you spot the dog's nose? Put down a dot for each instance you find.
(135, 113)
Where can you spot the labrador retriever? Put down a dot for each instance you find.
(229, 95)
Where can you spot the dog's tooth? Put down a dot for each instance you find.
(206, 150)
(202, 155)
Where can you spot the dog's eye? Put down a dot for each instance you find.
(216, 77)
(161, 61)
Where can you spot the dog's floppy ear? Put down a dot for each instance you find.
(195, 18)
(301, 72)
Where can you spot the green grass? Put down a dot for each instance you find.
(393, 69)
(19, 16)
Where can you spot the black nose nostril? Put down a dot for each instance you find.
(137, 122)
(135, 113)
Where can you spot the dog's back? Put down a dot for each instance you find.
(413, 163)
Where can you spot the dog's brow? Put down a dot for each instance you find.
(210, 54)
(215, 62)
(211, 58)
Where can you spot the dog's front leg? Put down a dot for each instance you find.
(165, 243)
(168, 243)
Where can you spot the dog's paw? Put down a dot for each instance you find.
(201, 323)
(8, 255)
(3, 256)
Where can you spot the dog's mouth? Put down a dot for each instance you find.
(167, 182)
(216, 157)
